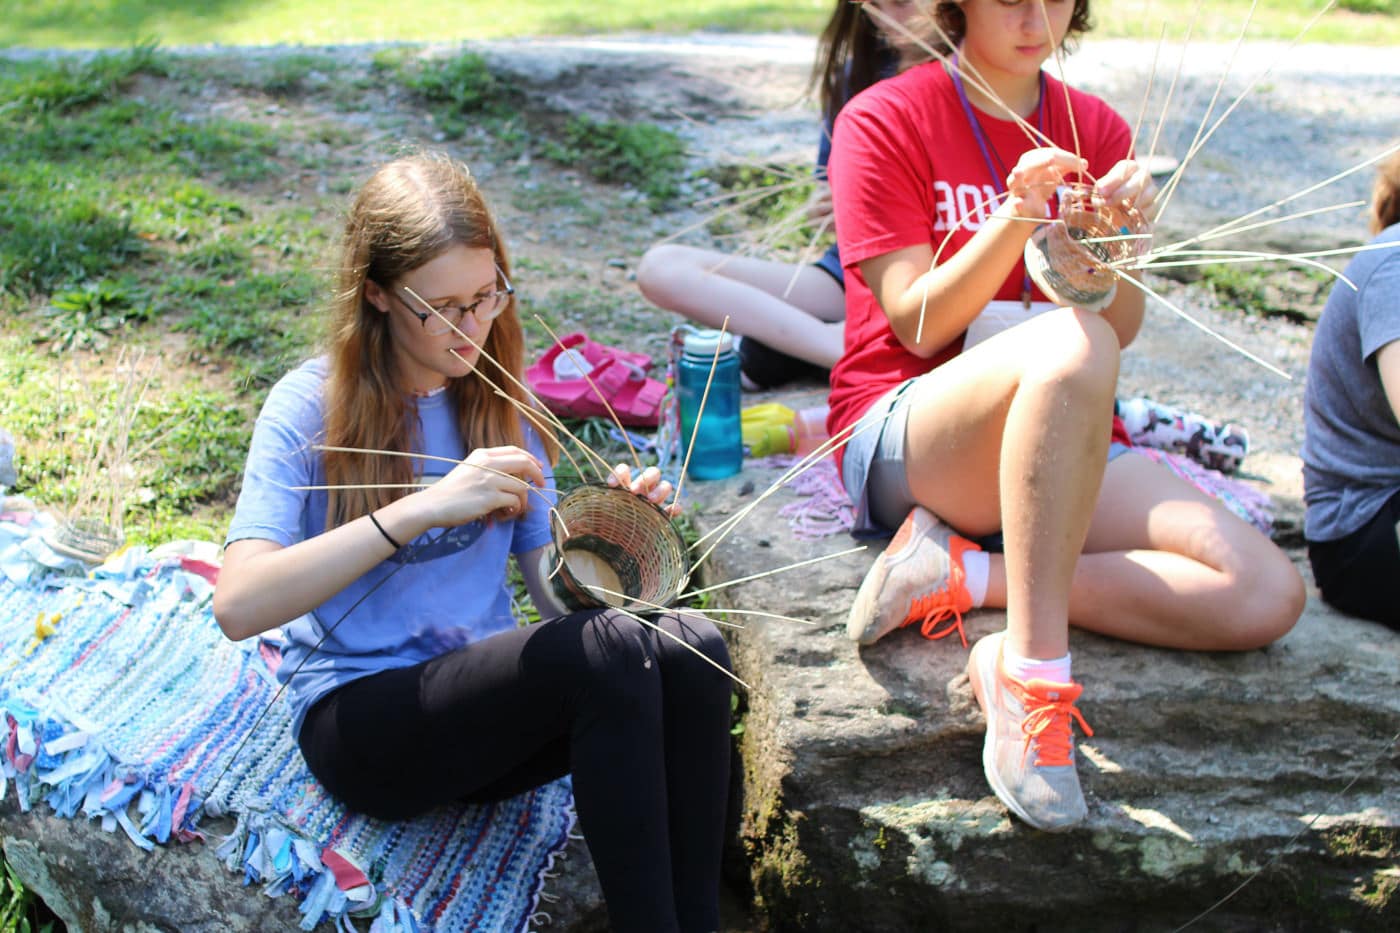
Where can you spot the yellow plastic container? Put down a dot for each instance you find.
(768, 429)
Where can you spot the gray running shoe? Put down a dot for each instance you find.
(1028, 755)
(918, 578)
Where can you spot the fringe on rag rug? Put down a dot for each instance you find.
(823, 508)
(122, 700)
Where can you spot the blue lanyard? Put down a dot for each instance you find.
(989, 154)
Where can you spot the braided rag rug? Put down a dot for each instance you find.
(120, 699)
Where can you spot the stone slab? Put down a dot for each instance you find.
(866, 807)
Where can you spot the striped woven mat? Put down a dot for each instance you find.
(122, 701)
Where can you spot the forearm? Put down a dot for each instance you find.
(939, 302)
(1126, 312)
(263, 585)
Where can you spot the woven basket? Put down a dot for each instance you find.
(612, 538)
(84, 538)
(1076, 273)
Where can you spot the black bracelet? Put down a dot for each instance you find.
(387, 536)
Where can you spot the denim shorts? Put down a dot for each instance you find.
(874, 460)
(830, 263)
(874, 473)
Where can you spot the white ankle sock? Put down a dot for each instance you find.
(1055, 670)
(976, 567)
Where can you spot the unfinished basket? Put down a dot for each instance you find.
(1073, 259)
(610, 538)
(87, 539)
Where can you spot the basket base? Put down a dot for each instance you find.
(1052, 258)
(592, 570)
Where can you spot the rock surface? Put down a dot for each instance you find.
(98, 882)
(867, 808)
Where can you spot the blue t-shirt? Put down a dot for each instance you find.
(443, 590)
(1351, 442)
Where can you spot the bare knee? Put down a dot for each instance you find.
(657, 273)
(1270, 600)
(1077, 363)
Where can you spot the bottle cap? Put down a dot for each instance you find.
(703, 342)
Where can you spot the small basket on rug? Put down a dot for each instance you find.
(88, 539)
(614, 548)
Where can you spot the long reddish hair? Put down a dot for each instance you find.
(1385, 196)
(411, 211)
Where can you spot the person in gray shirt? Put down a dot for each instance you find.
(1351, 445)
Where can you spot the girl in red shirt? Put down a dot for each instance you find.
(1010, 438)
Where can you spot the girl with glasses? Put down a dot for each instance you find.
(411, 682)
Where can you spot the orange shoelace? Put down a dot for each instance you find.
(1049, 711)
(945, 606)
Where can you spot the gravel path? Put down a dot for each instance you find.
(1312, 111)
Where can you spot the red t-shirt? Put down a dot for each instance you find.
(905, 168)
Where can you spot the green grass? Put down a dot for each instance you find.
(20, 910)
(135, 219)
(114, 23)
(188, 441)
(1296, 293)
(94, 177)
(130, 222)
(109, 23)
(766, 197)
(641, 155)
(463, 94)
(1360, 22)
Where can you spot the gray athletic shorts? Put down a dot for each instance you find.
(873, 471)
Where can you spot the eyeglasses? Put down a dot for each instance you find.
(438, 321)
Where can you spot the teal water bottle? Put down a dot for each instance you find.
(716, 447)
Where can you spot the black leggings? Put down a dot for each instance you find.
(1360, 574)
(641, 722)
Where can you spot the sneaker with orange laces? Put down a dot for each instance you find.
(918, 578)
(1028, 755)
